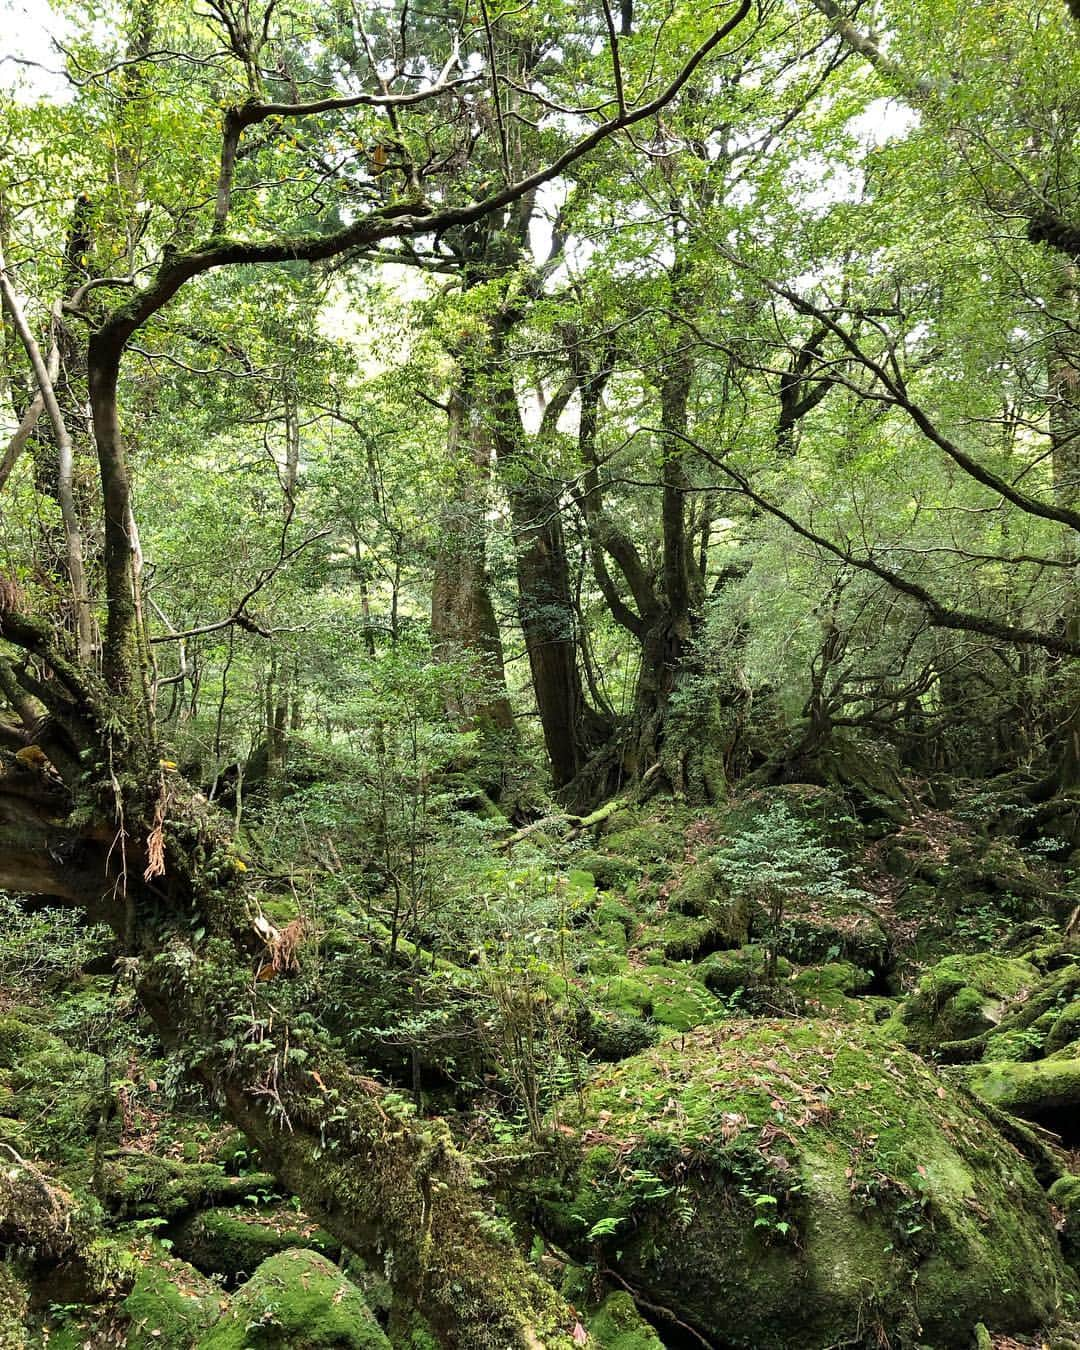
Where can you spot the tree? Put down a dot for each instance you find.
(138, 846)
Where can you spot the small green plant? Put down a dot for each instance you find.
(778, 854)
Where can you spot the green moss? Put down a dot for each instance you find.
(786, 1183)
(961, 997)
(1042, 1091)
(235, 1242)
(146, 1186)
(725, 972)
(18, 1039)
(1065, 1028)
(617, 1325)
(297, 1300)
(829, 988)
(14, 1303)
(1065, 1194)
(170, 1305)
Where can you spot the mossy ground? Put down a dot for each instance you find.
(778, 1180)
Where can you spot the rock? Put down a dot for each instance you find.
(1065, 1029)
(140, 1185)
(786, 1183)
(671, 994)
(1047, 1092)
(961, 997)
(234, 1243)
(297, 1300)
(617, 1325)
(1065, 1194)
(14, 1303)
(170, 1305)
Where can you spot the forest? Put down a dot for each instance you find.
(539, 702)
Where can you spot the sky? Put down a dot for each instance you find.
(25, 29)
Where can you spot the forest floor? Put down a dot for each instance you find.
(798, 1070)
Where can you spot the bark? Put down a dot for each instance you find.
(65, 467)
(463, 623)
(573, 731)
(1064, 425)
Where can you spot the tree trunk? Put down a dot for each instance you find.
(573, 730)
(463, 623)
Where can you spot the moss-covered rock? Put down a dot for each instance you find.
(19, 1038)
(170, 1305)
(670, 993)
(297, 1300)
(785, 1183)
(1065, 1194)
(617, 1325)
(961, 997)
(1065, 1028)
(14, 1304)
(831, 988)
(234, 1242)
(725, 973)
(1047, 1091)
(144, 1186)
(609, 1037)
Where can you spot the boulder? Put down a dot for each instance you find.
(297, 1300)
(786, 1183)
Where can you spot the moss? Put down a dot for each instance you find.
(785, 1183)
(611, 1037)
(170, 1305)
(617, 1325)
(610, 873)
(961, 997)
(297, 1300)
(14, 1303)
(829, 988)
(233, 1242)
(1047, 1091)
(145, 1186)
(18, 1039)
(1065, 1194)
(725, 972)
(1065, 1028)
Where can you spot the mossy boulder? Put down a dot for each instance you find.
(961, 997)
(1065, 1195)
(724, 973)
(670, 993)
(831, 988)
(297, 1300)
(234, 1243)
(19, 1039)
(170, 1306)
(1047, 1092)
(786, 1183)
(1065, 1028)
(617, 1325)
(823, 928)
